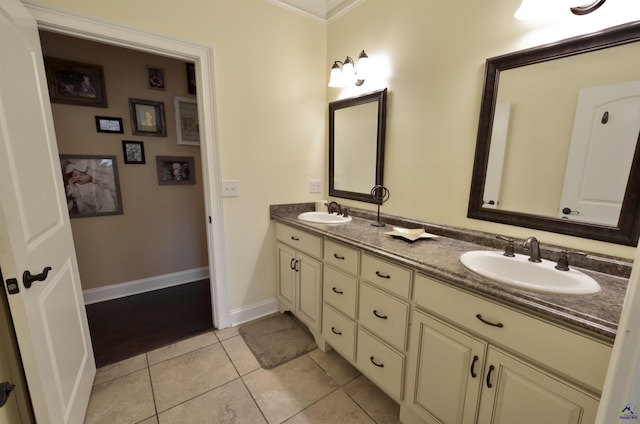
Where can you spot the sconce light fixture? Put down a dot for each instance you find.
(345, 73)
(540, 9)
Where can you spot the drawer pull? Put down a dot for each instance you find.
(335, 290)
(379, 274)
(335, 255)
(473, 365)
(334, 331)
(373, 361)
(375, 312)
(294, 238)
(292, 264)
(491, 368)
(493, 324)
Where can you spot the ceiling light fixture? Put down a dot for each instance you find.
(545, 9)
(345, 73)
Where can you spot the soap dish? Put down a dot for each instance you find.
(411, 234)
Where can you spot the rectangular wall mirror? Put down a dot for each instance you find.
(557, 146)
(356, 145)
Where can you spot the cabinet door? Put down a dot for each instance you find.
(286, 276)
(309, 305)
(516, 392)
(445, 372)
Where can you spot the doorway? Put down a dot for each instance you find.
(56, 21)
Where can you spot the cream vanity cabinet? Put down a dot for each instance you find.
(299, 275)
(472, 360)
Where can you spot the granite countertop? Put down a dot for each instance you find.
(595, 315)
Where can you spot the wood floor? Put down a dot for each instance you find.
(129, 326)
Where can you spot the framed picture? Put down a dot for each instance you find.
(91, 185)
(187, 120)
(147, 118)
(155, 78)
(106, 124)
(191, 78)
(133, 152)
(75, 83)
(174, 170)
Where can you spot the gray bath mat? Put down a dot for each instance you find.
(277, 339)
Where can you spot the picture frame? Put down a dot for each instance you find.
(187, 127)
(133, 152)
(147, 118)
(175, 170)
(75, 83)
(155, 78)
(92, 185)
(191, 78)
(108, 124)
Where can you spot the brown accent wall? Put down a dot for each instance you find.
(162, 230)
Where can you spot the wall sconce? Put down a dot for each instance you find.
(538, 9)
(345, 73)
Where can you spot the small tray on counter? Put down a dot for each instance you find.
(410, 234)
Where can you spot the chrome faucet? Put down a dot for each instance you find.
(534, 249)
(335, 205)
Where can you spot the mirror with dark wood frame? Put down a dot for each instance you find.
(627, 229)
(356, 145)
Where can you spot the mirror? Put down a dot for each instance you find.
(526, 135)
(356, 145)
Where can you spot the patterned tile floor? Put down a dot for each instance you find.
(214, 378)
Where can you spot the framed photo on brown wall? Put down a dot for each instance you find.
(133, 152)
(187, 126)
(91, 185)
(147, 118)
(155, 78)
(75, 83)
(175, 170)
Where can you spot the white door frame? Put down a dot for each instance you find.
(81, 26)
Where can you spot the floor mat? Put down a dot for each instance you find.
(277, 339)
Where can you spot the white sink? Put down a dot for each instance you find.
(520, 272)
(324, 218)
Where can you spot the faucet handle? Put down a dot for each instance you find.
(509, 249)
(563, 259)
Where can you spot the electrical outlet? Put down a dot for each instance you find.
(230, 188)
(315, 186)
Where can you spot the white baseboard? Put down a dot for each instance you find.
(129, 288)
(251, 312)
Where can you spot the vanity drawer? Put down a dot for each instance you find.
(380, 363)
(393, 278)
(383, 315)
(341, 256)
(578, 357)
(300, 240)
(340, 291)
(339, 332)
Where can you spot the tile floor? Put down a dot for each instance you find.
(214, 378)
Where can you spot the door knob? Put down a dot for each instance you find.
(5, 390)
(28, 279)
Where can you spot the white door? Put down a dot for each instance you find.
(35, 233)
(603, 143)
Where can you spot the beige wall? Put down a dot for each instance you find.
(271, 70)
(431, 54)
(270, 86)
(162, 229)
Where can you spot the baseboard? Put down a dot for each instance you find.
(251, 312)
(129, 288)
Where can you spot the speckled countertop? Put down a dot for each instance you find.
(596, 315)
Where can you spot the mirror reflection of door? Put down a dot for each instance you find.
(603, 143)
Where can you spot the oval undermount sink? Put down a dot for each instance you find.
(324, 218)
(521, 273)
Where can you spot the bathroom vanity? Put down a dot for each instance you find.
(448, 345)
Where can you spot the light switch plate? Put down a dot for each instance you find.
(315, 186)
(230, 188)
